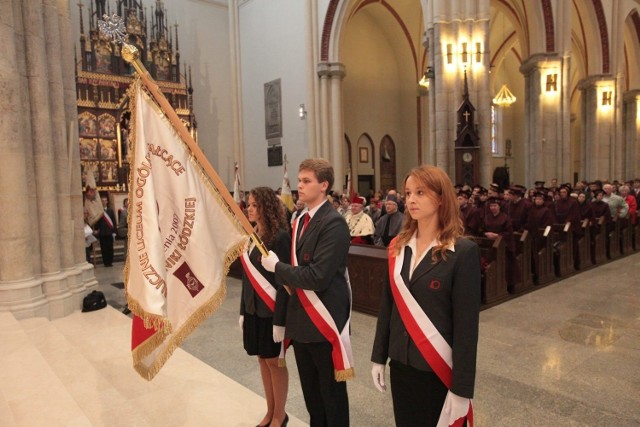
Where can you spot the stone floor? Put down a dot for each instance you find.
(567, 354)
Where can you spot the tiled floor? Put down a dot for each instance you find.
(568, 354)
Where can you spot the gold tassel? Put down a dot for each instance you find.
(345, 374)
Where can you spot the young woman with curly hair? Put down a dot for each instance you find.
(428, 319)
(264, 301)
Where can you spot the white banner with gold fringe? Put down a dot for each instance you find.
(182, 238)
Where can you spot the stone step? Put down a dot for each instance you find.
(31, 392)
(77, 370)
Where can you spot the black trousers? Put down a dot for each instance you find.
(418, 396)
(106, 248)
(326, 399)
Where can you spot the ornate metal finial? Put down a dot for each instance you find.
(113, 27)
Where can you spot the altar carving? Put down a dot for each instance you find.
(103, 76)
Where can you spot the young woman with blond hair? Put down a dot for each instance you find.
(428, 320)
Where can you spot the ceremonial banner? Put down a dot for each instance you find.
(285, 193)
(182, 238)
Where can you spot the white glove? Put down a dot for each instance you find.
(377, 372)
(278, 333)
(241, 321)
(454, 407)
(269, 262)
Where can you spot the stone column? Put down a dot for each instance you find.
(631, 131)
(40, 177)
(548, 118)
(46, 133)
(323, 145)
(337, 73)
(598, 104)
(20, 287)
(81, 277)
(448, 35)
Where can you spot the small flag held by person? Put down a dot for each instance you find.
(236, 185)
(285, 194)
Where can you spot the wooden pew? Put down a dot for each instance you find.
(599, 242)
(626, 236)
(584, 246)
(367, 266)
(614, 240)
(523, 258)
(494, 283)
(563, 249)
(542, 253)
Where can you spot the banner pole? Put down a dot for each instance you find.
(131, 54)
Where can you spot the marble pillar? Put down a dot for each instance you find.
(631, 130)
(323, 144)
(38, 263)
(547, 153)
(598, 137)
(337, 74)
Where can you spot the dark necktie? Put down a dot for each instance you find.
(305, 222)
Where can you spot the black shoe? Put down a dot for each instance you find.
(126, 310)
(265, 425)
(286, 420)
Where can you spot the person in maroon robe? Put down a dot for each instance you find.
(566, 209)
(497, 223)
(600, 208)
(517, 208)
(470, 219)
(586, 211)
(539, 218)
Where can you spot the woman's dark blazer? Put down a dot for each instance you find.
(449, 293)
(250, 302)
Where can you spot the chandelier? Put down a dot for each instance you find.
(504, 98)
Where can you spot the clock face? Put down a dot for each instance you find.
(467, 157)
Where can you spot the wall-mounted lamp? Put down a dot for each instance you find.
(478, 52)
(302, 113)
(606, 98)
(551, 84)
(449, 53)
(464, 55)
(426, 78)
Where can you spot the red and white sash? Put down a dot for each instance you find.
(267, 293)
(261, 285)
(340, 340)
(431, 344)
(107, 218)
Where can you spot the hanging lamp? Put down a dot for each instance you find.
(504, 98)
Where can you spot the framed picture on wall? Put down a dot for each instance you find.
(364, 155)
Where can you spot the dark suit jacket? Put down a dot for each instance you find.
(103, 226)
(322, 260)
(251, 303)
(453, 308)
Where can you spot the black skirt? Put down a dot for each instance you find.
(257, 335)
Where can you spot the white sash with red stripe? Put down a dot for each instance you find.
(107, 218)
(433, 347)
(266, 291)
(261, 285)
(340, 340)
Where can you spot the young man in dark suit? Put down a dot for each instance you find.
(317, 277)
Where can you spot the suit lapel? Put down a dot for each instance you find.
(425, 266)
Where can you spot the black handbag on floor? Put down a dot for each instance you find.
(94, 301)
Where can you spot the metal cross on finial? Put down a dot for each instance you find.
(113, 27)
